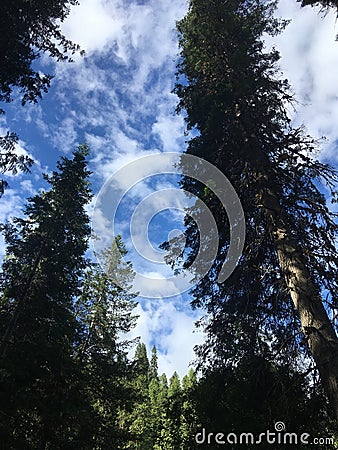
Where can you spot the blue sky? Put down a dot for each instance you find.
(118, 99)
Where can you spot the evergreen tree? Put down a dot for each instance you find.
(163, 390)
(142, 362)
(104, 310)
(253, 397)
(162, 408)
(190, 421)
(156, 400)
(284, 291)
(325, 4)
(140, 417)
(28, 29)
(168, 410)
(40, 394)
(171, 427)
(153, 367)
(163, 417)
(180, 421)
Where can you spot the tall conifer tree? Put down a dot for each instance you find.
(41, 272)
(283, 294)
(105, 313)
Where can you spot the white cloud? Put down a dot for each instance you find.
(170, 129)
(120, 96)
(27, 186)
(94, 24)
(171, 329)
(309, 59)
(65, 136)
(10, 205)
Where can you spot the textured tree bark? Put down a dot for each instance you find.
(316, 325)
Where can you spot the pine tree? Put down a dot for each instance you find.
(162, 408)
(180, 421)
(190, 422)
(139, 419)
(163, 417)
(153, 367)
(28, 29)
(173, 417)
(254, 396)
(156, 403)
(284, 292)
(106, 304)
(105, 313)
(40, 395)
(142, 362)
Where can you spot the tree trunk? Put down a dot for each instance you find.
(316, 325)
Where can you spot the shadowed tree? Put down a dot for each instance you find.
(40, 379)
(325, 5)
(105, 312)
(281, 299)
(10, 161)
(29, 28)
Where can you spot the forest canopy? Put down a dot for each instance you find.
(71, 374)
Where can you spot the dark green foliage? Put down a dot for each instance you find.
(254, 397)
(29, 28)
(249, 398)
(10, 161)
(174, 412)
(64, 372)
(104, 311)
(139, 421)
(191, 417)
(153, 366)
(44, 259)
(233, 97)
(324, 4)
(141, 361)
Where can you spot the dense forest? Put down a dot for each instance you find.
(266, 375)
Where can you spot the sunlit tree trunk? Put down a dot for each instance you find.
(316, 325)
